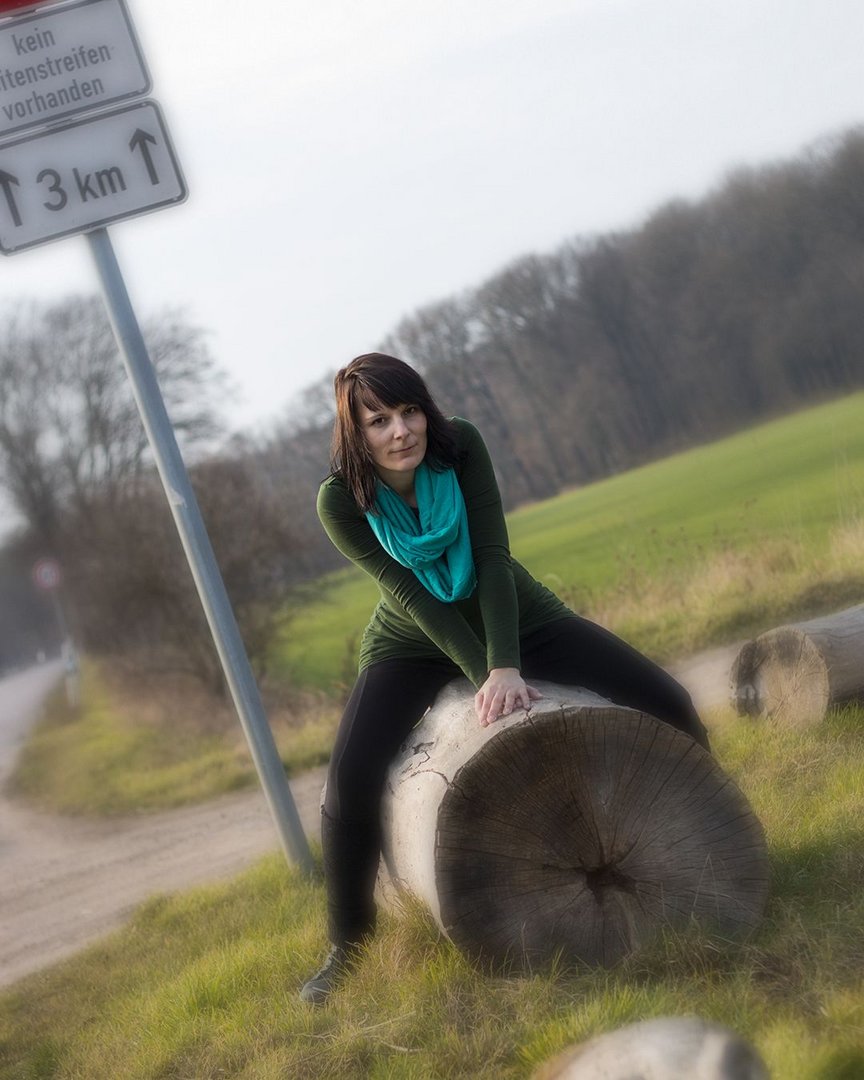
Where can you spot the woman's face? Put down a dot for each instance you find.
(396, 438)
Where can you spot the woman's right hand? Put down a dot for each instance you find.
(503, 691)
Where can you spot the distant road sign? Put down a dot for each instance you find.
(46, 574)
(60, 61)
(86, 174)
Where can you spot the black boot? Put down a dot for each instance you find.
(351, 853)
(339, 962)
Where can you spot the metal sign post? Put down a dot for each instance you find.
(59, 179)
(199, 553)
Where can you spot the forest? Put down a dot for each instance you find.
(620, 348)
(610, 351)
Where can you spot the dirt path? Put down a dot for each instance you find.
(65, 882)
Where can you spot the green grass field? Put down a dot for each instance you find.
(204, 985)
(130, 748)
(698, 549)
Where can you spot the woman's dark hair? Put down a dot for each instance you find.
(375, 380)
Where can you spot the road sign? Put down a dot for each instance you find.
(85, 174)
(8, 6)
(60, 61)
(46, 574)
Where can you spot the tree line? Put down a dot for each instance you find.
(607, 352)
(623, 347)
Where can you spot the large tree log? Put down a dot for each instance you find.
(794, 673)
(577, 830)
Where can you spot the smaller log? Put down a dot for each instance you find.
(668, 1048)
(795, 673)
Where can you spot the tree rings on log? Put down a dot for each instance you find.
(575, 830)
(794, 673)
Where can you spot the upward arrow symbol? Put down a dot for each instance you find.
(139, 141)
(6, 182)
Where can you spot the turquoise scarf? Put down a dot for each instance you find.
(437, 547)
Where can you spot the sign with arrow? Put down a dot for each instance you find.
(84, 174)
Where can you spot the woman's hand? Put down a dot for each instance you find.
(503, 691)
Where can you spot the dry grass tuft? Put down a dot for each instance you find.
(733, 593)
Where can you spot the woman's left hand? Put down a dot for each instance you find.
(503, 691)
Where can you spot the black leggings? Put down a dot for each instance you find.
(390, 697)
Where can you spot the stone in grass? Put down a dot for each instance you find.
(668, 1048)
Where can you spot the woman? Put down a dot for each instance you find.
(413, 502)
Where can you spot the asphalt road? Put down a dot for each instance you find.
(21, 697)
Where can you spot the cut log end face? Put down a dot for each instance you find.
(578, 835)
(783, 676)
(794, 673)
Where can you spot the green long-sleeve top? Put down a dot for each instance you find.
(479, 633)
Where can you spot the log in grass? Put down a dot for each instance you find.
(794, 673)
(573, 832)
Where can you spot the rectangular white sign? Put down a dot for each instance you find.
(60, 61)
(86, 174)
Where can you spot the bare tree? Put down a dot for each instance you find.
(438, 333)
(75, 462)
(133, 592)
(69, 428)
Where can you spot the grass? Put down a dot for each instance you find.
(204, 984)
(699, 549)
(133, 746)
(702, 548)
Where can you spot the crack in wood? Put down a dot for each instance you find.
(608, 876)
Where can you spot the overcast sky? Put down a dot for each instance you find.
(351, 160)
